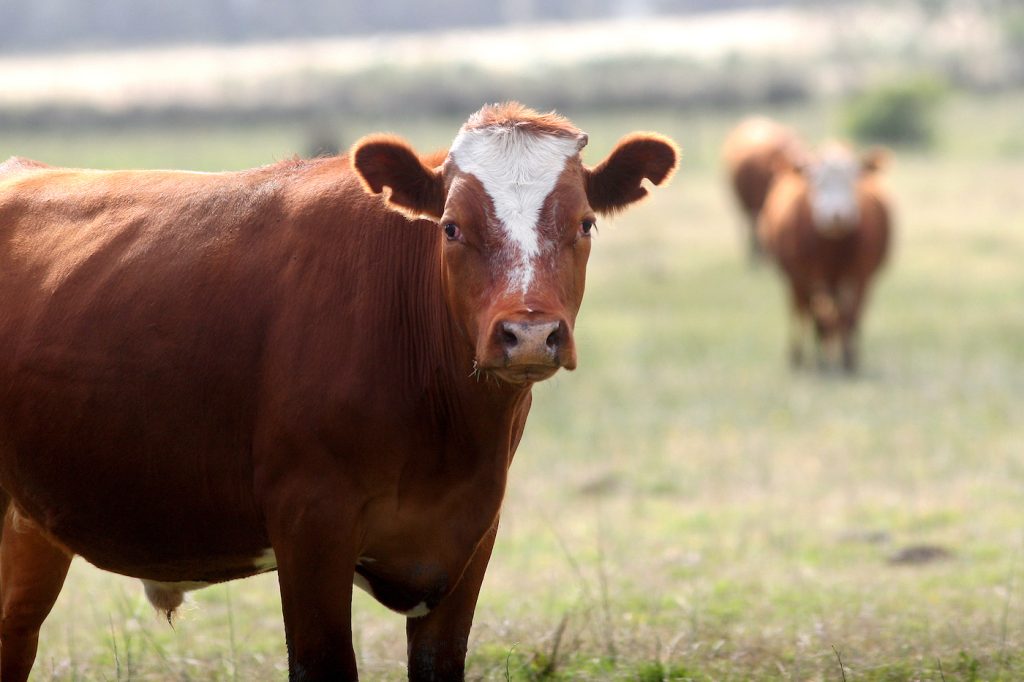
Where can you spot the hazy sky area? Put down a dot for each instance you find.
(198, 75)
(46, 25)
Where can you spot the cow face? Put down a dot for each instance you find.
(516, 210)
(833, 178)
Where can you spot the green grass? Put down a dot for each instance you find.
(684, 507)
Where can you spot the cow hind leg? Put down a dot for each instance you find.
(851, 355)
(32, 572)
(851, 297)
(797, 332)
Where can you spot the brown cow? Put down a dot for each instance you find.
(204, 376)
(826, 223)
(751, 153)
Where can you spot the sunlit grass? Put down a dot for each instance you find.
(683, 504)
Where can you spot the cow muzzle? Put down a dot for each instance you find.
(523, 351)
(836, 227)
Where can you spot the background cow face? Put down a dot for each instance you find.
(832, 180)
(516, 210)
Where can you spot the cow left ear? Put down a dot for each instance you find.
(874, 159)
(388, 161)
(616, 182)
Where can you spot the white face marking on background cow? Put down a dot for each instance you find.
(518, 169)
(833, 190)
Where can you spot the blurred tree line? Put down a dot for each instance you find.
(48, 25)
(888, 92)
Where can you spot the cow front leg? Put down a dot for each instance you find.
(437, 641)
(825, 311)
(755, 252)
(799, 326)
(851, 353)
(851, 298)
(315, 567)
(32, 572)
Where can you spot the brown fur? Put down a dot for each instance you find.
(514, 114)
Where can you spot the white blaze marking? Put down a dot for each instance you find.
(518, 169)
(833, 183)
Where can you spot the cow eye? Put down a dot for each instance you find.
(452, 231)
(586, 226)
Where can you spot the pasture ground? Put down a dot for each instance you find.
(684, 506)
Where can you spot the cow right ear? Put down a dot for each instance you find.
(790, 160)
(386, 161)
(874, 159)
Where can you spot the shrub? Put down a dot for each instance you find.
(898, 114)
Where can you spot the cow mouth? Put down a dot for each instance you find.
(524, 374)
(836, 228)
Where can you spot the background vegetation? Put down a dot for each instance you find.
(900, 113)
(890, 61)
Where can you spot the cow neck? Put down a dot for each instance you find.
(433, 358)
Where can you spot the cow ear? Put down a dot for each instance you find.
(874, 159)
(790, 159)
(616, 182)
(386, 161)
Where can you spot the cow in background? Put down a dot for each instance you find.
(317, 367)
(751, 153)
(826, 223)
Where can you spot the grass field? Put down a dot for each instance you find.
(683, 506)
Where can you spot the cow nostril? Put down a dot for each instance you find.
(509, 338)
(552, 340)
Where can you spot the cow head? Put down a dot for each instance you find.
(516, 209)
(833, 176)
